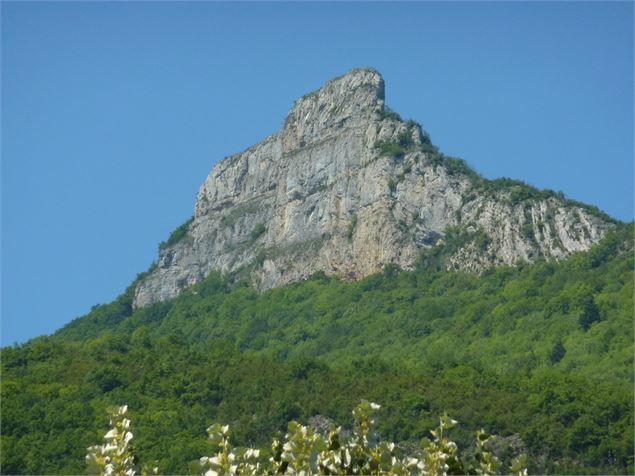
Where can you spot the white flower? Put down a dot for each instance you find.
(347, 457)
(109, 448)
(252, 453)
(375, 406)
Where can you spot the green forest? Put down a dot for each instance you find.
(540, 354)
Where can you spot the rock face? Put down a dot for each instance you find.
(347, 187)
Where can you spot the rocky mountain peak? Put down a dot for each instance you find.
(346, 188)
(352, 98)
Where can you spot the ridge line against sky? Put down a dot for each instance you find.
(114, 113)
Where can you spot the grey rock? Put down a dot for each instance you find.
(321, 196)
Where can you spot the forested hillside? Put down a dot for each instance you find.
(540, 354)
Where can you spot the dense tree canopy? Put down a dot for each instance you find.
(540, 354)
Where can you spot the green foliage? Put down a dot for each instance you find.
(516, 191)
(519, 190)
(387, 113)
(402, 145)
(105, 315)
(226, 461)
(257, 231)
(419, 340)
(527, 231)
(310, 95)
(390, 149)
(589, 312)
(351, 227)
(452, 165)
(177, 235)
(115, 456)
(557, 353)
(455, 238)
(404, 138)
(428, 148)
(306, 451)
(506, 189)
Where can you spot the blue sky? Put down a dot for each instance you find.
(114, 113)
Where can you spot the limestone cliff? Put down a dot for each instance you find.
(347, 187)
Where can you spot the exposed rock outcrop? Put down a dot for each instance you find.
(347, 187)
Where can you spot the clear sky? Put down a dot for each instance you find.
(114, 113)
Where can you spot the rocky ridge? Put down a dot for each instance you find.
(347, 187)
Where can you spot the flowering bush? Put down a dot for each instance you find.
(115, 456)
(306, 452)
(228, 461)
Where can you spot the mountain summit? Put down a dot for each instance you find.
(347, 187)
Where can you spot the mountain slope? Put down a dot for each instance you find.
(416, 317)
(408, 280)
(540, 354)
(347, 187)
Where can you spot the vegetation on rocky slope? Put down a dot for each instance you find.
(541, 355)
